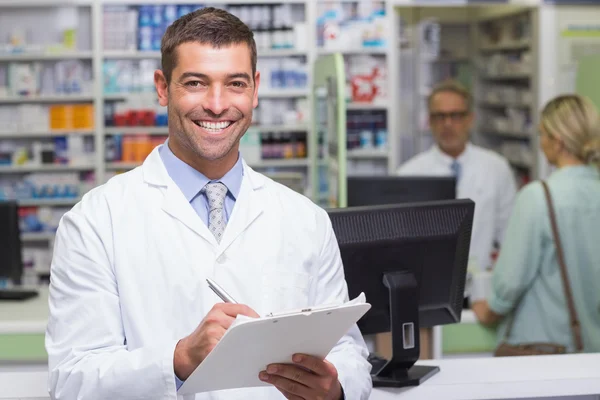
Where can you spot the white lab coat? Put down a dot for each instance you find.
(128, 281)
(487, 179)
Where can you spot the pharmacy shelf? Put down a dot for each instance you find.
(356, 51)
(366, 106)
(42, 134)
(150, 55)
(504, 104)
(521, 45)
(510, 82)
(283, 163)
(17, 57)
(507, 134)
(282, 93)
(281, 128)
(46, 99)
(505, 77)
(323, 197)
(128, 96)
(367, 154)
(42, 271)
(48, 202)
(44, 168)
(29, 9)
(43, 3)
(134, 130)
(450, 60)
(163, 130)
(196, 2)
(122, 166)
(281, 53)
(284, 175)
(37, 236)
(131, 55)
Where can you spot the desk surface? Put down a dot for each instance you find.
(504, 378)
(459, 379)
(27, 316)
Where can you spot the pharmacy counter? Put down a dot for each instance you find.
(25, 316)
(22, 328)
(30, 316)
(466, 338)
(574, 376)
(23, 325)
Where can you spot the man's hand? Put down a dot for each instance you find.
(193, 349)
(310, 378)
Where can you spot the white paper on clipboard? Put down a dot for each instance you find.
(250, 344)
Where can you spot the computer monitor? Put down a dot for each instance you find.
(11, 263)
(377, 190)
(410, 260)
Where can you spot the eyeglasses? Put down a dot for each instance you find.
(455, 116)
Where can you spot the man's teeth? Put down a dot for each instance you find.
(215, 126)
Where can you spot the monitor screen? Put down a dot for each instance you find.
(378, 190)
(11, 265)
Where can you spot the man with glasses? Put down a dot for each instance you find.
(482, 175)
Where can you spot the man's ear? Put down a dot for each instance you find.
(162, 88)
(256, 85)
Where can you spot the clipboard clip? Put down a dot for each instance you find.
(302, 310)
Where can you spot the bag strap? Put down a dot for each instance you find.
(509, 326)
(575, 326)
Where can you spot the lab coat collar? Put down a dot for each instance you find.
(248, 205)
(447, 160)
(191, 181)
(156, 174)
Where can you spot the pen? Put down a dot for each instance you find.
(220, 292)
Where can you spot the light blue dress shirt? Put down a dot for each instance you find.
(191, 182)
(526, 281)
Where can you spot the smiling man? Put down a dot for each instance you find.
(482, 175)
(131, 315)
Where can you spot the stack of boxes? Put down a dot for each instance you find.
(131, 148)
(71, 117)
(33, 118)
(46, 78)
(141, 28)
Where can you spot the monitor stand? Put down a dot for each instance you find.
(400, 370)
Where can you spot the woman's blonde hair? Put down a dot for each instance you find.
(575, 121)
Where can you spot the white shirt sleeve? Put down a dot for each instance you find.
(507, 191)
(349, 356)
(88, 357)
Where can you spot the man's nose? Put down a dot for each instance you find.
(447, 121)
(215, 100)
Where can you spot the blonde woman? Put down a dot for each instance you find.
(526, 283)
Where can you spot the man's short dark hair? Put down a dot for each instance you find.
(209, 25)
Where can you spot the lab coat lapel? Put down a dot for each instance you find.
(248, 207)
(176, 205)
(174, 202)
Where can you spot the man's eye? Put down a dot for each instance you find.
(238, 84)
(193, 83)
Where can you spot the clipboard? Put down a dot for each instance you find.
(250, 344)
